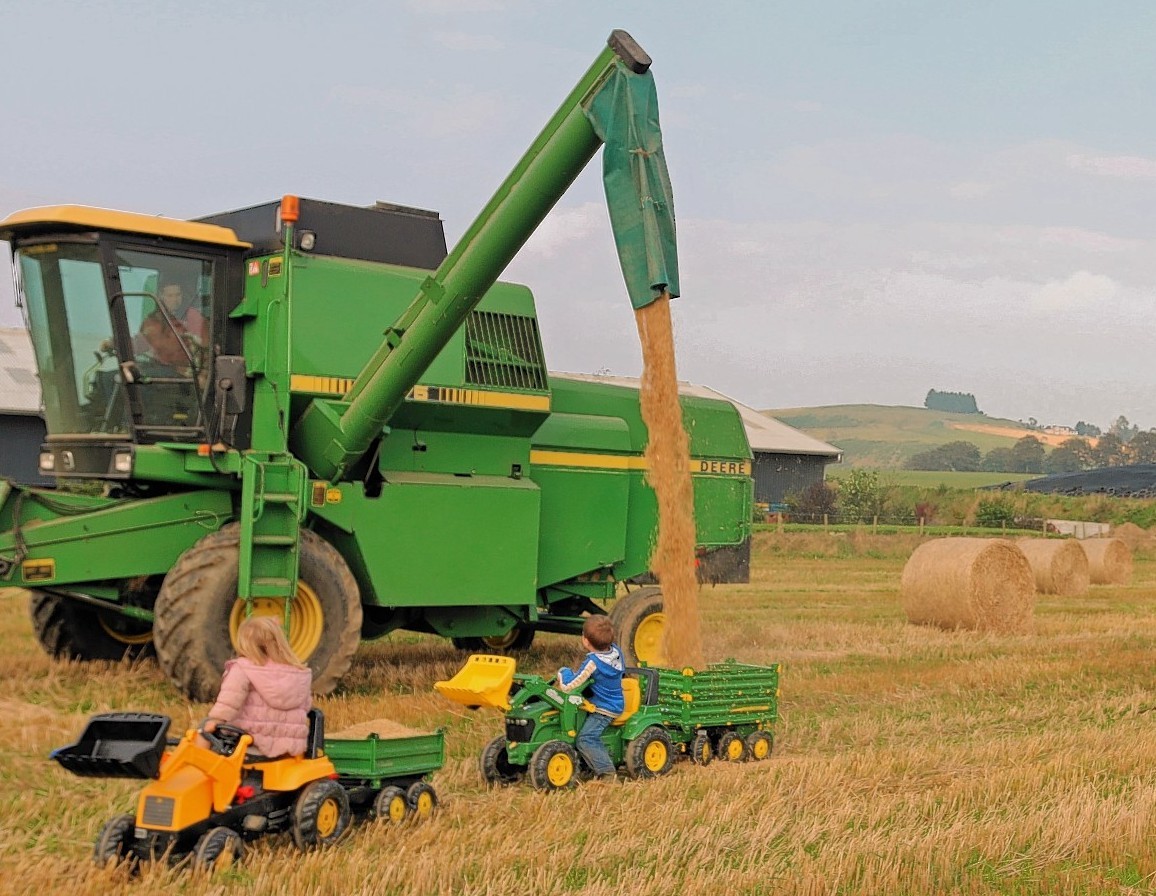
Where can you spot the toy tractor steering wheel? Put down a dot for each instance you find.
(223, 739)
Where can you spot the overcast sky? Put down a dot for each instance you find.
(873, 198)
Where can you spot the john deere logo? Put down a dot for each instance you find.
(721, 467)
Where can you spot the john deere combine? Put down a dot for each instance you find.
(313, 411)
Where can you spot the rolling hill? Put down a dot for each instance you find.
(885, 436)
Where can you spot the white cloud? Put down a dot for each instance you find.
(1130, 167)
(566, 229)
(461, 41)
(970, 189)
(1081, 291)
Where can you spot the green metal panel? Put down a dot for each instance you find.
(727, 693)
(435, 540)
(119, 540)
(378, 759)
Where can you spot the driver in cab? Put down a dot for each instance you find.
(171, 351)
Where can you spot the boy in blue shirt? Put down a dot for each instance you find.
(603, 669)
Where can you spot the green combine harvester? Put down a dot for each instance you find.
(314, 411)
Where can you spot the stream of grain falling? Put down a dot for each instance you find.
(668, 472)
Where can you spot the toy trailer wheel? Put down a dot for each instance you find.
(390, 805)
(320, 815)
(700, 751)
(421, 800)
(759, 745)
(650, 754)
(554, 766)
(496, 765)
(638, 622)
(218, 849)
(731, 747)
(114, 842)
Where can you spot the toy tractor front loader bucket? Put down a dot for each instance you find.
(117, 745)
(483, 681)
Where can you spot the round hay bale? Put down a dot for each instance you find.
(1132, 535)
(1109, 561)
(985, 584)
(1059, 565)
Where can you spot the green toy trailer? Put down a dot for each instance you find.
(727, 709)
(314, 411)
(204, 804)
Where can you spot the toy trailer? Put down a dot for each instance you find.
(724, 710)
(206, 803)
(667, 713)
(388, 773)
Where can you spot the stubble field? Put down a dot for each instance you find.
(908, 760)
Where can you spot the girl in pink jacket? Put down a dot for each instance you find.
(266, 690)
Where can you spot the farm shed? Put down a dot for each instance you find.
(21, 426)
(787, 461)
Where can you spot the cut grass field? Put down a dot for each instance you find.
(908, 760)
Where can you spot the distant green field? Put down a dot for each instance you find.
(885, 437)
(931, 478)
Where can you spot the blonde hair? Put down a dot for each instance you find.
(262, 640)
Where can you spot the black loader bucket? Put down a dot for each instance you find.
(117, 745)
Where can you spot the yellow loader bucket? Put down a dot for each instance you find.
(483, 681)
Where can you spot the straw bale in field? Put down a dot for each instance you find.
(1132, 535)
(383, 728)
(1109, 561)
(985, 584)
(1059, 565)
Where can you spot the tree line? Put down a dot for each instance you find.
(1030, 455)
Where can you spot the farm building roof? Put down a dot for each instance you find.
(766, 434)
(19, 386)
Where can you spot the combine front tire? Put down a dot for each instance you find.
(197, 613)
(496, 765)
(638, 622)
(320, 815)
(650, 754)
(114, 842)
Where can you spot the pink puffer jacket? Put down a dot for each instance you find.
(270, 702)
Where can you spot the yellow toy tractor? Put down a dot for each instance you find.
(205, 803)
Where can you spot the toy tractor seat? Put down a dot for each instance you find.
(632, 696)
(484, 680)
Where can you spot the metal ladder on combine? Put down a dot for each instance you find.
(273, 491)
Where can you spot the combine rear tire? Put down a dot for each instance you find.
(320, 815)
(517, 638)
(114, 842)
(197, 612)
(496, 765)
(70, 630)
(638, 622)
(650, 754)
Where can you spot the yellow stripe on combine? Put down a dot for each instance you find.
(698, 465)
(338, 386)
